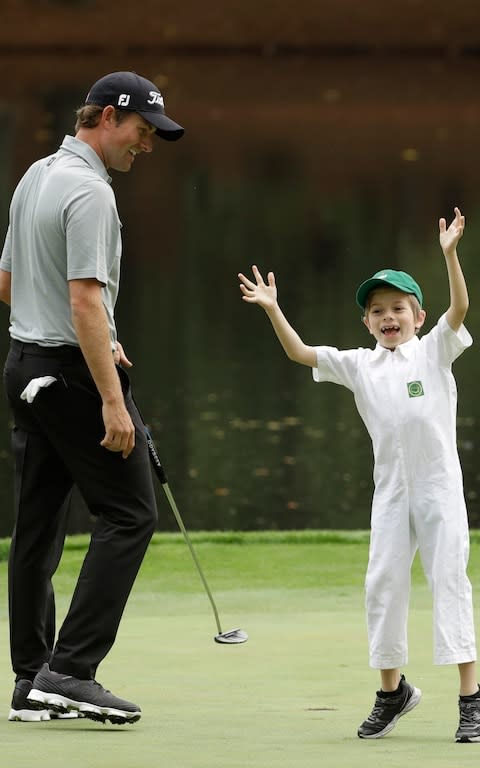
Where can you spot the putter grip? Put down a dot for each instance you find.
(154, 458)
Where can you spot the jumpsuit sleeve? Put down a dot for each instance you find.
(447, 343)
(337, 366)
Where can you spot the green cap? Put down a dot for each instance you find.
(389, 277)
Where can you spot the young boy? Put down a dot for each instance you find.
(406, 395)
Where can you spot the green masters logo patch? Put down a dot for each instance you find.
(415, 389)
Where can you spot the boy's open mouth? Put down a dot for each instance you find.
(389, 330)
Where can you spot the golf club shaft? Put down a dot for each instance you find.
(160, 472)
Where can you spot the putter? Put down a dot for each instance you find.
(233, 636)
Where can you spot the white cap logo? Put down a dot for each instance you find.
(123, 99)
(155, 98)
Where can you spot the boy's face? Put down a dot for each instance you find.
(390, 317)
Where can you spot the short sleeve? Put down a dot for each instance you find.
(91, 227)
(336, 366)
(446, 343)
(6, 259)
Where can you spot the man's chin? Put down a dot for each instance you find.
(120, 169)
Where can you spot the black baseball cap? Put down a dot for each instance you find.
(129, 91)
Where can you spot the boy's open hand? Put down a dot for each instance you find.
(450, 237)
(265, 295)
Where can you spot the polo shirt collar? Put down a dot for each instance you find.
(85, 151)
(404, 350)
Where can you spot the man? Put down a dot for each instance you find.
(74, 417)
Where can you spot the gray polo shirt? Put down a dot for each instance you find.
(64, 225)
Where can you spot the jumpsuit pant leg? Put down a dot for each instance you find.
(387, 583)
(443, 540)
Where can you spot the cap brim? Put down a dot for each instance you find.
(166, 128)
(375, 282)
(365, 289)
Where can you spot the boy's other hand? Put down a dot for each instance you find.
(450, 237)
(259, 293)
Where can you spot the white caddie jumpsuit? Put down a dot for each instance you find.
(408, 399)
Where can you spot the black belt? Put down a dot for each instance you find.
(63, 351)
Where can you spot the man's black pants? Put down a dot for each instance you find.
(56, 443)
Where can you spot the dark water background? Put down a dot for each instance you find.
(323, 169)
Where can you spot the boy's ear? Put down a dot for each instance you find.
(366, 323)
(419, 321)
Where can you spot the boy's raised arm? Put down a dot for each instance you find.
(265, 294)
(458, 290)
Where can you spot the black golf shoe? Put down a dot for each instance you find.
(387, 709)
(64, 693)
(22, 709)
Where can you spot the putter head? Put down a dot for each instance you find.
(233, 637)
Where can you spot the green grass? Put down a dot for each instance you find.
(292, 697)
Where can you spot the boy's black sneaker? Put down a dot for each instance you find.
(64, 693)
(469, 727)
(387, 709)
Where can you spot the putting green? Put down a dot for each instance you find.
(292, 697)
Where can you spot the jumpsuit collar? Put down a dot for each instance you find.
(406, 350)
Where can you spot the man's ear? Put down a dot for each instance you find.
(108, 117)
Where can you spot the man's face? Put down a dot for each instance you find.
(125, 140)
